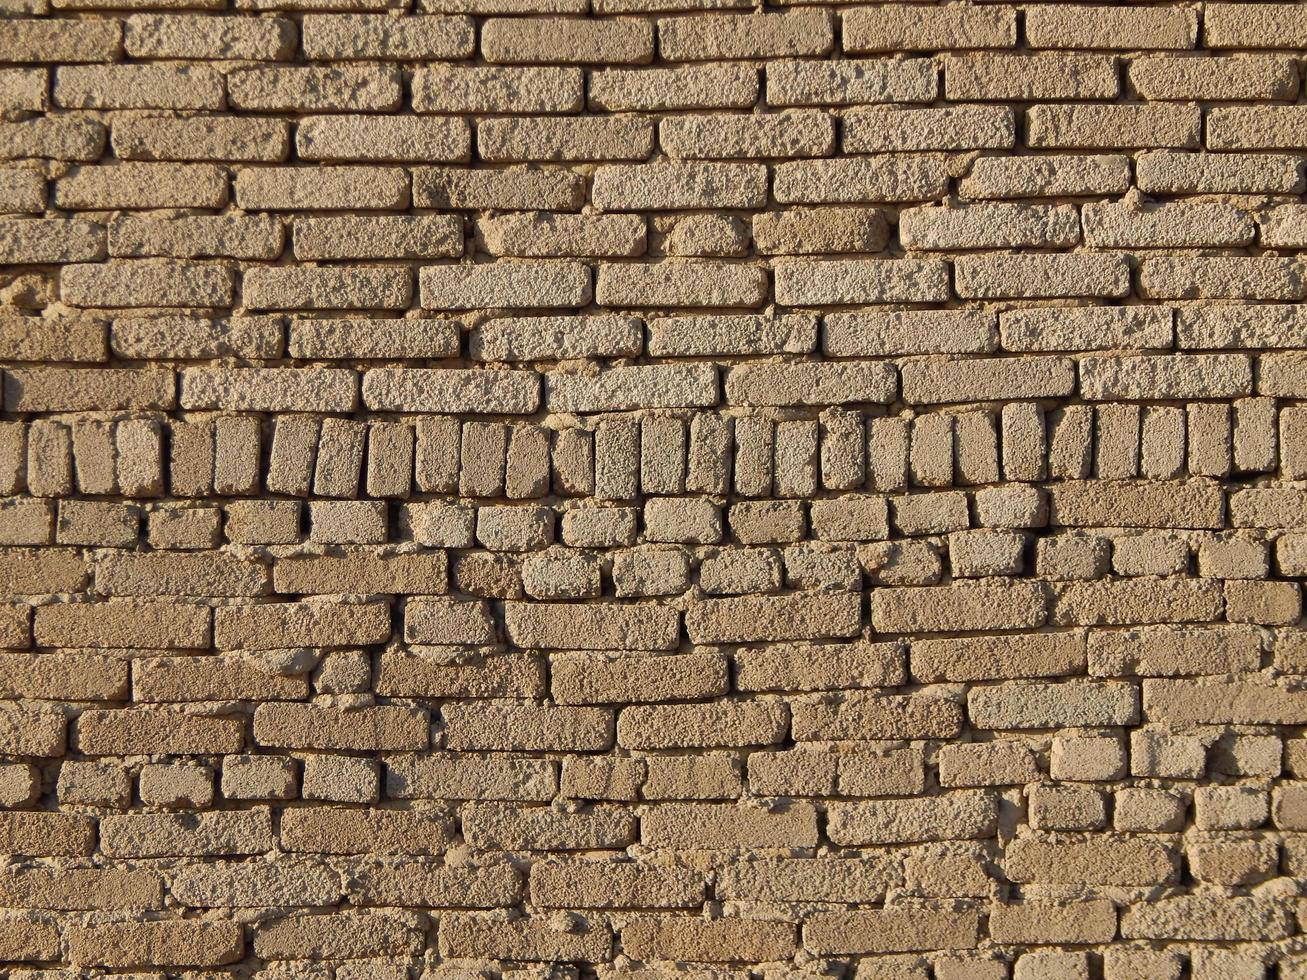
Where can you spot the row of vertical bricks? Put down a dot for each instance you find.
(653, 490)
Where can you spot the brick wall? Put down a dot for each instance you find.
(643, 488)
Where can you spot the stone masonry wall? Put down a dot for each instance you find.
(653, 490)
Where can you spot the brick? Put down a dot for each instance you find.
(960, 127)
(561, 235)
(1085, 328)
(53, 41)
(136, 283)
(660, 89)
(362, 88)
(51, 241)
(138, 944)
(751, 618)
(269, 389)
(928, 29)
(612, 884)
(559, 41)
(728, 826)
(477, 89)
(854, 713)
(681, 284)
(288, 624)
(196, 237)
(456, 776)
(25, 89)
(1137, 601)
(735, 36)
(831, 283)
(850, 82)
(888, 930)
(441, 886)
(529, 285)
(989, 226)
(798, 133)
(1046, 176)
(571, 138)
(809, 384)
(521, 726)
(53, 138)
(328, 37)
(187, 835)
(160, 625)
(590, 627)
(437, 390)
(715, 940)
(138, 87)
(381, 138)
(1112, 504)
(623, 388)
(674, 185)
(1018, 605)
(1273, 25)
(1041, 276)
(231, 884)
(376, 728)
(1144, 126)
(344, 830)
(1002, 77)
(956, 815)
(524, 939)
(926, 383)
(452, 187)
(1113, 28)
(202, 38)
(250, 140)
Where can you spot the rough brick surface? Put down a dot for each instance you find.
(653, 489)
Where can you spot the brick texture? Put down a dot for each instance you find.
(653, 490)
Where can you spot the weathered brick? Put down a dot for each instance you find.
(376, 728)
(345, 830)
(734, 36)
(728, 826)
(289, 624)
(329, 37)
(144, 283)
(138, 87)
(560, 41)
(252, 140)
(144, 944)
(187, 36)
(315, 89)
(474, 89)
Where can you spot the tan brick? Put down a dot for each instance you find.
(565, 138)
(728, 826)
(221, 138)
(734, 36)
(344, 830)
(339, 936)
(521, 726)
(709, 940)
(559, 41)
(1122, 28)
(331, 37)
(475, 89)
(288, 624)
(531, 939)
(660, 89)
(957, 815)
(186, 36)
(891, 29)
(143, 944)
(138, 87)
(891, 931)
(363, 88)
(1100, 859)
(187, 835)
